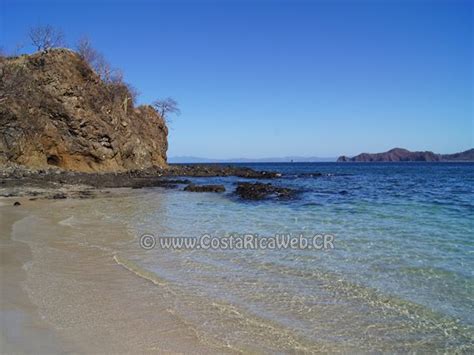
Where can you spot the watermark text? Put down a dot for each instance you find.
(240, 242)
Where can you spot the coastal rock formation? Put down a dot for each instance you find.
(208, 170)
(205, 188)
(56, 111)
(18, 176)
(400, 155)
(259, 191)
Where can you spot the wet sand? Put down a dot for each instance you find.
(22, 329)
(61, 294)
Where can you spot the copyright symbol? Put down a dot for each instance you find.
(147, 241)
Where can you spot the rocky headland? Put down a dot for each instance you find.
(402, 155)
(57, 111)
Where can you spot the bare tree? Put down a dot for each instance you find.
(86, 51)
(116, 76)
(120, 91)
(166, 107)
(103, 68)
(45, 37)
(97, 61)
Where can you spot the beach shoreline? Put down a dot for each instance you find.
(102, 306)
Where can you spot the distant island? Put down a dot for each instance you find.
(400, 155)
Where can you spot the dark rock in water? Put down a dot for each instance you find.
(259, 191)
(178, 181)
(208, 170)
(205, 188)
(17, 203)
(343, 192)
(310, 175)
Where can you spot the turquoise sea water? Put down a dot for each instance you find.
(400, 277)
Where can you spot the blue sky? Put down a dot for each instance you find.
(277, 78)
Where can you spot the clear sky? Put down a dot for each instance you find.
(276, 78)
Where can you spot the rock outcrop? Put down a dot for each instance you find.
(56, 111)
(400, 155)
(259, 191)
(205, 188)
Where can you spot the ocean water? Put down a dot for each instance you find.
(400, 276)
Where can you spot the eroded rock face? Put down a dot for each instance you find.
(56, 111)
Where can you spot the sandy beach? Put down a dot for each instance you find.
(61, 294)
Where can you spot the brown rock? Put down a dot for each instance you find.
(56, 111)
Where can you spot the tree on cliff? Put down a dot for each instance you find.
(120, 90)
(166, 107)
(86, 51)
(45, 37)
(95, 59)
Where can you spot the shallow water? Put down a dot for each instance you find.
(400, 276)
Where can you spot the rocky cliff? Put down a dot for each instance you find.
(400, 155)
(55, 110)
